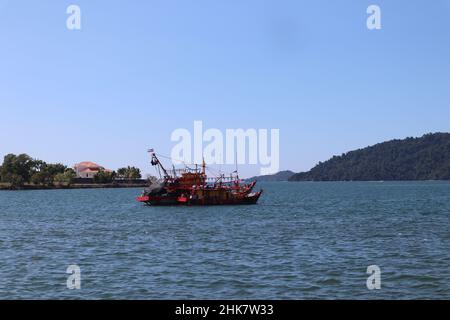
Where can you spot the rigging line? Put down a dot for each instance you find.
(214, 170)
(170, 158)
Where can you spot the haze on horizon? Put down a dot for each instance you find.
(137, 71)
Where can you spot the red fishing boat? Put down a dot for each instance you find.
(191, 186)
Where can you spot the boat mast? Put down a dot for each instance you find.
(237, 173)
(203, 166)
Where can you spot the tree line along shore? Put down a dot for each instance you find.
(22, 172)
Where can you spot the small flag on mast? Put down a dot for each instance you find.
(150, 150)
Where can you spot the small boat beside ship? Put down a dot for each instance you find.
(192, 187)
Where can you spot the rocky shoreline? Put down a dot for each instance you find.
(7, 187)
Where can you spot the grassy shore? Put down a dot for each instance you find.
(7, 186)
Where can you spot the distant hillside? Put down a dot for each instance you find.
(425, 158)
(280, 176)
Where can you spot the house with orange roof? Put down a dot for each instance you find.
(87, 169)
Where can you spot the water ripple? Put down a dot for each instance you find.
(303, 241)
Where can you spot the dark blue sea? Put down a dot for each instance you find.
(302, 241)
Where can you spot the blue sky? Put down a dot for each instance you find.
(140, 69)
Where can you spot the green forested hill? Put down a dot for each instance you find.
(424, 158)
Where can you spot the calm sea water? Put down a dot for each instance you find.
(303, 241)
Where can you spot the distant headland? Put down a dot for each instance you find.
(424, 158)
(280, 176)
